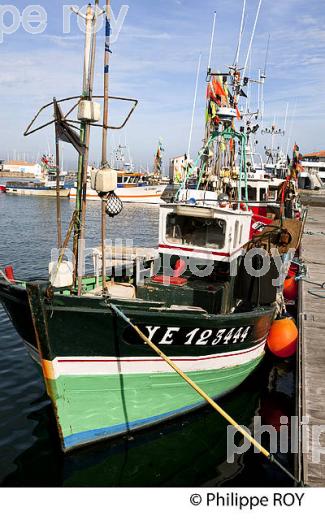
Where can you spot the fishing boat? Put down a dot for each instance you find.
(268, 189)
(131, 187)
(45, 186)
(97, 336)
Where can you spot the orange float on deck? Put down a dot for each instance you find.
(290, 288)
(283, 338)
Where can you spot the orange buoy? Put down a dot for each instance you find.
(290, 288)
(283, 338)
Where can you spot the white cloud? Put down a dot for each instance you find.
(155, 60)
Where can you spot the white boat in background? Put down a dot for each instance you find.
(32, 189)
(44, 185)
(131, 187)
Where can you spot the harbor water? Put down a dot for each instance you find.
(188, 451)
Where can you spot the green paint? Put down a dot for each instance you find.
(91, 402)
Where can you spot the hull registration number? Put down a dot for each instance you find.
(162, 335)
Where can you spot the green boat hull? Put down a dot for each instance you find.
(104, 381)
(92, 408)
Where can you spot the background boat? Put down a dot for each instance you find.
(45, 185)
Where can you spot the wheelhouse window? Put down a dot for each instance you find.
(262, 194)
(200, 232)
(273, 192)
(252, 194)
(236, 233)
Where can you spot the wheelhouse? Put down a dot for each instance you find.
(208, 232)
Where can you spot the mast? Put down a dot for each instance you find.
(240, 34)
(286, 118)
(206, 137)
(58, 200)
(291, 126)
(212, 40)
(252, 37)
(104, 135)
(88, 78)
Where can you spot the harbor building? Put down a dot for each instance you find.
(22, 167)
(314, 164)
(178, 167)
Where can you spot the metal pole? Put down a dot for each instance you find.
(259, 92)
(106, 81)
(83, 139)
(286, 118)
(92, 28)
(104, 135)
(252, 37)
(58, 199)
(88, 78)
(240, 33)
(291, 126)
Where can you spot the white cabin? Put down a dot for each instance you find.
(203, 231)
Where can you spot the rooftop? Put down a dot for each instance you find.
(18, 163)
(315, 154)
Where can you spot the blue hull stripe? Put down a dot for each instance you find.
(79, 439)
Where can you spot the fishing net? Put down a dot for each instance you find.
(114, 205)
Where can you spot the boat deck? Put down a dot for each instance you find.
(311, 361)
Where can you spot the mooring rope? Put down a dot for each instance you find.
(204, 395)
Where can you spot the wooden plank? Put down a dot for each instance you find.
(311, 364)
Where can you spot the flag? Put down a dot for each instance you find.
(218, 89)
(64, 132)
(215, 89)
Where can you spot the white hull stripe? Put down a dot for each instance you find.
(112, 366)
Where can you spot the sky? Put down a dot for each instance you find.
(154, 59)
